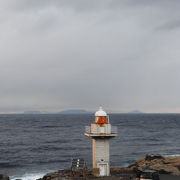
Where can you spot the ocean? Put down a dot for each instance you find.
(33, 145)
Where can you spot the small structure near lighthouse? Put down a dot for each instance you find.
(101, 132)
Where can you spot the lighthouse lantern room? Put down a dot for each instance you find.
(101, 132)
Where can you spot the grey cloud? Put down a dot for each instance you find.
(81, 54)
(172, 25)
(79, 5)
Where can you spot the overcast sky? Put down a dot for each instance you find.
(80, 54)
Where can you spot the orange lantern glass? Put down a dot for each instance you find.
(101, 120)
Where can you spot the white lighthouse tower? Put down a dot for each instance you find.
(101, 132)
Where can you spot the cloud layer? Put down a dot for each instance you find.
(64, 54)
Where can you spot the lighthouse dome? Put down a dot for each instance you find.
(100, 112)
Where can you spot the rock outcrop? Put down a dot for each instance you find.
(86, 175)
(164, 165)
(4, 177)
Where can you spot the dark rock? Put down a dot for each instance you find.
(153, 165)
(150, 157)
(163, 165)
(162, 171)
(4, 177)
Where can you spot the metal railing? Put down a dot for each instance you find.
(87, 129)
(114, 130)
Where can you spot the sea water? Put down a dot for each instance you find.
(33, 145)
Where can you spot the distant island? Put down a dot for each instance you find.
(136, 112)
(75, 111)
(32, 112)
(70, 111)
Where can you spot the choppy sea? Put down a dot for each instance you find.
(33, 145)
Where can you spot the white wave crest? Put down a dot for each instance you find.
(172, 155)
(27, 176)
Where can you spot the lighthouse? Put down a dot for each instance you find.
(101, 132)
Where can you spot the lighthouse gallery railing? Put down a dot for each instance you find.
(89, 130)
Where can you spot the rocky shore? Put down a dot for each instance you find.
(4, 177)
(163, 165)
(167, 168)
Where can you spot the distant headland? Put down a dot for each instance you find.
(135, 112)
(32, 112)
(75, 111)
(69, 111)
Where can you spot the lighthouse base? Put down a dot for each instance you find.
(103, 169)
